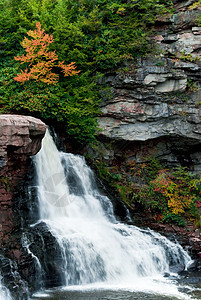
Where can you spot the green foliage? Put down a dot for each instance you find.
(188, 57)
(96, 35)
(192, 86)
(5, 181)
(197, 224)
(174, 194)
(196, 4)
(171, 196)
(75, 107)
(127, 178)
(172, 218)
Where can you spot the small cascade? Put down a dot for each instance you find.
(95, 248)
(4, 292)
(37, 265)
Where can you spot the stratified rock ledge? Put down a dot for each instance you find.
(21, 133)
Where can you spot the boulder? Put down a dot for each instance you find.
(22, 133)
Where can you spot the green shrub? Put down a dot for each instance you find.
(171, 196)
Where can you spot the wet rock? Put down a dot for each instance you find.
(32, 256)
(20, 137)
(12, 279)
(193, 274)
(45, 247)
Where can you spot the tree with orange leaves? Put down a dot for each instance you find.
(40, 59)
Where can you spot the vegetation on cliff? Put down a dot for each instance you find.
(94, 38)
(97, 35)
(169, 195)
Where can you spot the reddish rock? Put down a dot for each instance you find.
(22, 133)
(20, 138)
(17, 254)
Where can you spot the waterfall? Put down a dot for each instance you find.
(4, 293)
(96, 249)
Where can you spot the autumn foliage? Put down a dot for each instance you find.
(170, 196)
(177, 192)
(41, 61)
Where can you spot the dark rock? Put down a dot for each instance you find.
(12, 279)
(45, 247)
(20, 137)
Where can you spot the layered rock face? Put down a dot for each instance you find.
(155, 105)
(20, 137)
(22, 246)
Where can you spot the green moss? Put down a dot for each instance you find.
(5, 181)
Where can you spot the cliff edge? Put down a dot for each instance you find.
(20, 138)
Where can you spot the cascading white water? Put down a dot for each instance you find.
(4, 292)
(96, 248)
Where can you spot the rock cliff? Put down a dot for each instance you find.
(20, 137)
(154, 108)
(151, 108)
